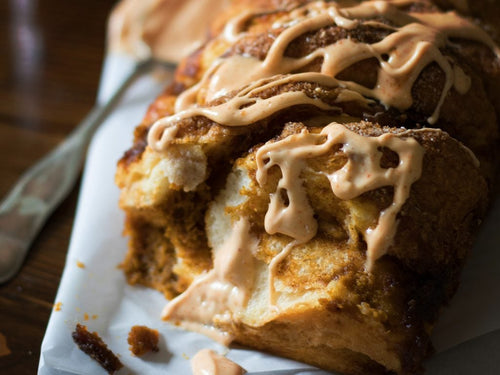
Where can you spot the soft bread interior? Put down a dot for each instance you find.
(325, 300)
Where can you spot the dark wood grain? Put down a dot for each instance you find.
(51, 58)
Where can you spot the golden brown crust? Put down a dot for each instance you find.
(486, 12)
(166, 196)
(456, 116)
(394, 304)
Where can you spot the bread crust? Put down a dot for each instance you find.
(383, 317)
(179, 199)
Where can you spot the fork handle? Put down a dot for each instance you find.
(44, 186)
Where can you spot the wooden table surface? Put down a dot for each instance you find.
(51, 58)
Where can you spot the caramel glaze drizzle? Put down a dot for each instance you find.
(220, 292)
(415, 41)
(361, 173)
(208, 362)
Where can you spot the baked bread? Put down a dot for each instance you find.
(311, 181)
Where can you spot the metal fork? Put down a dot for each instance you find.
(44, 186)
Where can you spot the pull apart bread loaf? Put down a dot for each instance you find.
(310, 183)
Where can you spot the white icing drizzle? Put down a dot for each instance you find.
(415, 42)
(361, 173)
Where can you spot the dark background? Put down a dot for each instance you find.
(51, 54)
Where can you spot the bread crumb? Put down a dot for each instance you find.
(85, 316)
(80, 264)
(92, 345)
(57, 306)
(142, 340)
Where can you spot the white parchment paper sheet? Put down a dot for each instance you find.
(98, 296)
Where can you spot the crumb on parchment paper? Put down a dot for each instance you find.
(92, 345)
(80, 264)
(57, 306)
(142, 340)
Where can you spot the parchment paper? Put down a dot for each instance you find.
(98, 296)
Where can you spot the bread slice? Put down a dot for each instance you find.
(322, 306)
